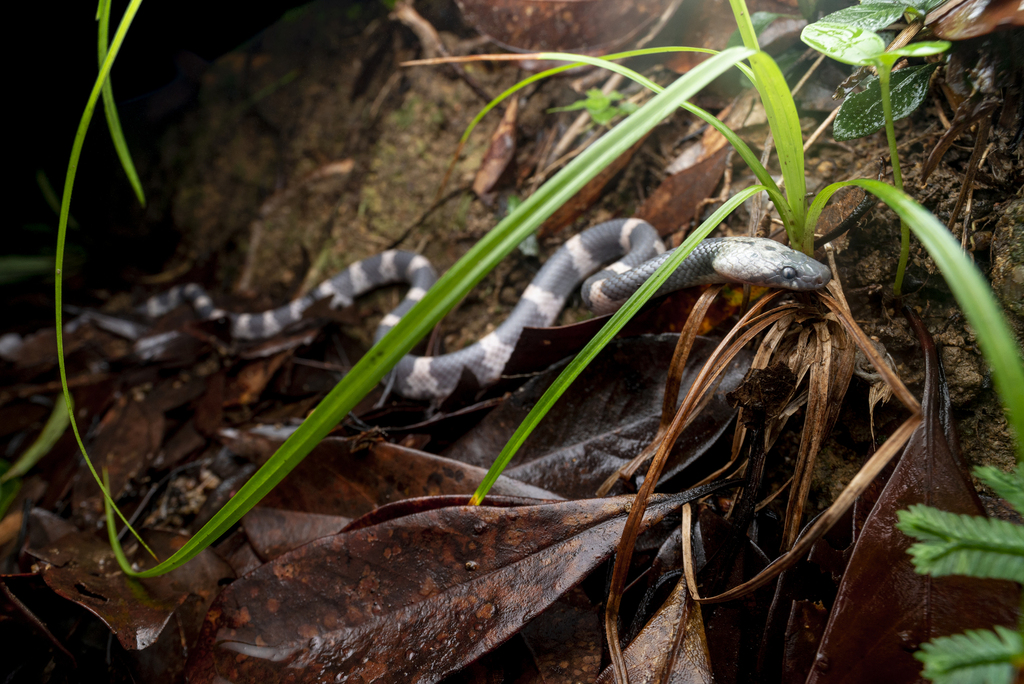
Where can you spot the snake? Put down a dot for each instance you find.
(633, 242)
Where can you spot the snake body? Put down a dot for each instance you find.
(757, 261)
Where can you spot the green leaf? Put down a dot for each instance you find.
(974, 657)
(846, 44)
(1009, 485)
(868, 15)
(780, 109)
(953, 544)
(924, 48)
(862, 114)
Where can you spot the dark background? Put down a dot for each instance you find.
(54, 66)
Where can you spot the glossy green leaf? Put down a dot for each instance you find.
(868, 15)
(974, 657)
(925, 48)
(846, 44)
(862, 114)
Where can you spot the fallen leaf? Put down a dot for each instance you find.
(413, 598)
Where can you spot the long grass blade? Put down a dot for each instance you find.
(110, 107)
(62, 230)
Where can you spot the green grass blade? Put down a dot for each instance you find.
(110, 108)
(8, 489)
(55, 426)
(784, 121)
(780, 109)
(62, 230)
(969, 288)
(603, 337)
(448, 291)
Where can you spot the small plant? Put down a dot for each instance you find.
(843, 37)
(601, 107)
(952, 544)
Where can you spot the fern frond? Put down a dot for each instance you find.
(1009, 485)
(974, 657)
(954, 544)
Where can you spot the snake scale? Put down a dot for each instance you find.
(757, 261)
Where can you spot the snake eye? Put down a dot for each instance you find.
(789, 272)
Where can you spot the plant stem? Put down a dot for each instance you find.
(884, 71)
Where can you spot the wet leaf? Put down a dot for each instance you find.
(273, 532)
(868, 15)
(565, 640)
(862, 115)
(884, 609)
(414, 598)
(843, 43)
(611, 414)
(82, 569)
(128, 437)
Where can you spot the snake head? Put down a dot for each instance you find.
(771, 264)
